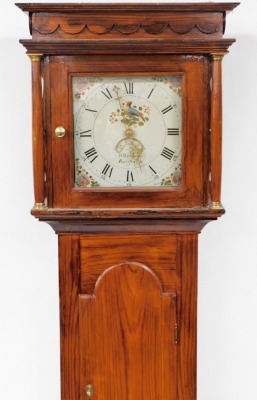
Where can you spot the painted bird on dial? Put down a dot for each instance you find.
(131, 111)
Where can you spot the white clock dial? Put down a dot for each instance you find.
(127, 131)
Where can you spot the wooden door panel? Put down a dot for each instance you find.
(158, 251)
(126, 331)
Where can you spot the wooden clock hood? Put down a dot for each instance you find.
(115, 30)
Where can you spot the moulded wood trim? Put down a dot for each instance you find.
(126, 46)
(111, 8)
(128, 213)
(62, 25)
(100, 28)
(71, 227)
(122, 223)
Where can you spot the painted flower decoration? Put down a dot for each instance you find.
(131, 116)
(173, 82)
(83, 179)
(174, 179)
(82, 84)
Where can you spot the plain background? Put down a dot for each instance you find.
(227, 308)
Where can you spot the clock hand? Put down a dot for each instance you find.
(136, 153)
(116, 90)
(135, 144)
(136, 147)
(127, 109)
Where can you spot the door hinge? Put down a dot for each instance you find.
(176, 333)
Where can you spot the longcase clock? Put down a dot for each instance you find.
(127, 170)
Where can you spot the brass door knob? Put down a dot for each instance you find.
(89, 390)
(60, 131)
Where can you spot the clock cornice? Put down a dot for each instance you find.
(85, 21)
(112, 8)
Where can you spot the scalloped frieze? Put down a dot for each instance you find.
(64, 26)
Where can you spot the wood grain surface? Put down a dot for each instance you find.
(112, 315)
(159, 252)
(127, 336)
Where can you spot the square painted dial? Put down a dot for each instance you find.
(127, 131)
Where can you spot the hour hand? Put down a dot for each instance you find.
(136, 151)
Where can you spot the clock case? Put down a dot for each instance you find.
(127, 249)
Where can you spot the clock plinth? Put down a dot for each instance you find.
(127, 139)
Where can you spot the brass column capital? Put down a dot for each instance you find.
(217, 56)
(35, 57)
